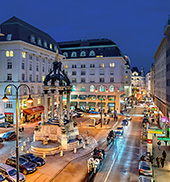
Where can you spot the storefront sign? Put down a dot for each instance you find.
(163, 139)
(156, 131)
(150, 141)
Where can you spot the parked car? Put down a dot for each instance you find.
(145, 179)
(93, 112)
(1, 140)
(26, 167)
(5, 125)
(128, 118)
(145, 168)
(124, 122)
(80, 114)
(2, 179)
(10, 173)
(32, 158)
(9, 135)
(119, 130)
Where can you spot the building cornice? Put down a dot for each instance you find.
(160, 45)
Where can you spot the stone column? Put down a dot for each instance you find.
(52, 96)
(46, 103)
(68, 104)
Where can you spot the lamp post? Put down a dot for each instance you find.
(29, 100)
(101, 103)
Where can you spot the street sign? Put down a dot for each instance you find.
(150, 141)
(156, 131)
(163, 139)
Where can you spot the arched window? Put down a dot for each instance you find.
(83, 53)
(11, 53)
(92, 88)
(73, 54)
(101, 88)
(73, 88)
(111, 88)
(65, 54)
(9, 90)
(45, 44)
(7, 53)
(32, 89)
(92, 53)
(83, 88)
(25, 90)
(32, 39)
(39, 41)
(55, 47)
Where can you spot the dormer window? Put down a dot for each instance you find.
(65, 54)
(55, 47)
(82, 54)
(9, 37)
(39, 42)
(32, 39)
(45, 44)
(73, 54)
(51, 46)
(92, 53)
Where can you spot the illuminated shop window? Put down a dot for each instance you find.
(23, 54)
(83, 88)
(101, 88)
(92, 88)
(7, 53)
(9, 90)
(112, 65)
(73, 88)
(39, 101)
(111, 88)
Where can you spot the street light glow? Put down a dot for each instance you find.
(5, 98)
(29, 100)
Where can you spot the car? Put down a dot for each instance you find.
(1, 140)
(9, 135)
(145, 179)
(128, 118)
(10, 173)
(32, 158)
(26, 167)
(119, 130)
(74, 114)
(93, 112)
(124, 122)
(2, 179)
(5, 125)
(145, 168)
(80, 114)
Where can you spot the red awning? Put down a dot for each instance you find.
(34, 110)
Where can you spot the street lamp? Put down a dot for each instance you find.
(101, 103)
(29, 100)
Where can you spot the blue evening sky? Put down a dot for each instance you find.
(136, 26)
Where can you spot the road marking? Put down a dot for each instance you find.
(111, 167)
(114, 124)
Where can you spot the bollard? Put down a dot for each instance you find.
(44, 155)
(28, 139)
(84, 145)
(61, 153)
(22, 148)
(27, 151)
(75, 150)
(24, 143)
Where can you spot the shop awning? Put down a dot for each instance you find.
(34, 110)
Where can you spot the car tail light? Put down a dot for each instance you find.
(150, 171)
(141, 169)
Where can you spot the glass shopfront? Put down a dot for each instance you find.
(82, 105)
(82, 97)
(92, 105)
(111, 97)
(103, 97)
(9, 117)
(111, 106)
(92, 97)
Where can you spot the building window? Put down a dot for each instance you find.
(30, 66)
(83, 73)
(102, 80)
(92, 72)
(36, 78)
(23, 77)
(43, 69)
(30, 57)
(23, 65)
(92, 65)
(92, 88)
(51, 46)
(83, 80)
(45, 44)
(39, 89)
(82, 54)
(73, 54)
(92, 53)
(73, 80)
(74, 66)
(9, 37)
(121, 88)
(65, 54)
(73, 88)
(8, 104)
(37, 58)
(55, 48)
(83, 88)
(101, 89)
(112, 65)
(11, 53)
(74, 73)
(101, 65)
(111, 79)
(92, 80)
(111, 88)
(37, 67)
(9, 90)
(32, 39)
(23, 54)
(83, 65)
(25, 90)
(126, 72)
(30, 78)
(39, 42)
(7, 53)
(9, 65)
(9, 76)
(101, 71)
(43, 78)
(32, 89)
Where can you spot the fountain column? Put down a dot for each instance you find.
(46, 88)
(68, 102)
(52, 97)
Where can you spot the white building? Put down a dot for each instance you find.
(148, 84)
(26, 56)
(96, 67)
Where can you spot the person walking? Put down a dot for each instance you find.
(158, 160)
(159, 144)
(164, 154)
(162, 161)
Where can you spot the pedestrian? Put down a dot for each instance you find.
(162, 161)
(151, 159)
(159, 144)
(158, 160)
(108, 121)
(164, 154)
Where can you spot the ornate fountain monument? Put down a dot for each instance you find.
(59, 132)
